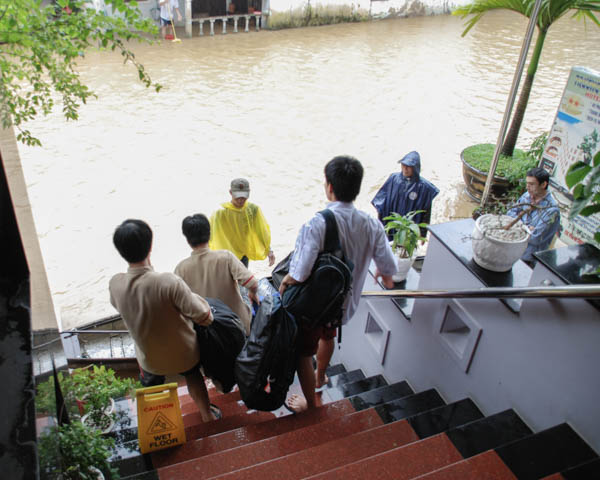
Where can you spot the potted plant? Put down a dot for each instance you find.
(75, 451)
(498, 241)
(406, 235)
(510, 173)
(89, 394)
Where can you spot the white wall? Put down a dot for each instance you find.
(542, 362)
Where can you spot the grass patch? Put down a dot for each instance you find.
(312, 16)
(512, 168)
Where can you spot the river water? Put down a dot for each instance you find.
(273, 107)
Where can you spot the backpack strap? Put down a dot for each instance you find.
(332, 240)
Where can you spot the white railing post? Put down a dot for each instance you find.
(212, 25)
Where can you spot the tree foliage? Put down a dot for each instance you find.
(39, 49)
(550, 12)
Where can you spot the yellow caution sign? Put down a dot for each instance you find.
(160, 424)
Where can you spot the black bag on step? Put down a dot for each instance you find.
(220, 344)
(265, 368)
(319, 300)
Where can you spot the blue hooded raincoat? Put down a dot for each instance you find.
(402, 195)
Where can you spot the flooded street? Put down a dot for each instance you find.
(273, 107)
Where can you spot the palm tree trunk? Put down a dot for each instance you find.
(510, 140)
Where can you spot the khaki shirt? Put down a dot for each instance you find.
(215, 274)
(158, 309)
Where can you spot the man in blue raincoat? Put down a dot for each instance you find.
(406, 191)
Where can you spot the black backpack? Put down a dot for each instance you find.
(265, 368)
(320, 299)
(220, 343)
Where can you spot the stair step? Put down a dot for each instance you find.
(247, 456)
(354, 388)
(380, 395)
(334, 369)
(188, 406)
(444, 418)
(409, 405)
(549, 451)
(401, 463)
(488, 433)
(485, 466)
(250, 433)
(200, 430)
(330, 455)
(227, 410)
(346, 377)
(584, 471)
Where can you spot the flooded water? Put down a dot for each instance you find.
(273, 107)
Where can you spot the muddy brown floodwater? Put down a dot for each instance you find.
(273, 107)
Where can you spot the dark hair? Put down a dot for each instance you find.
(540, 174)
(196, 229)
(345, 174)
(133, 240)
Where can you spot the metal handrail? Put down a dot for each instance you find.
(76, 331)
(566, 291)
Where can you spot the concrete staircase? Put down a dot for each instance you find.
(365, 429)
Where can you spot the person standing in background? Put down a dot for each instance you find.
(240, 226)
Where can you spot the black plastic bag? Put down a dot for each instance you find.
(265, 368)
(220, 344)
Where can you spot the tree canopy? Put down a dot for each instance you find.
(41, 44)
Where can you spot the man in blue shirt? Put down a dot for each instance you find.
(542, 215)
(406, 191)
(363, 239)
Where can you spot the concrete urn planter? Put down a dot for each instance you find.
(495, 248)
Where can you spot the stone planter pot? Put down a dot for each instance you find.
(475, 181)
(496, 249)
(403, 265)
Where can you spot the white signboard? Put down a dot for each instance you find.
(575, 136)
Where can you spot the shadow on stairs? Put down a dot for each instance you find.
(365, 429)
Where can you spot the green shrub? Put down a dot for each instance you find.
(96, 384)
(68, 452)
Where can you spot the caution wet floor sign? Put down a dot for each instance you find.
(159, 418)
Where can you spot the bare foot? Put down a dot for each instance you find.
(319, 382)
(297, 403)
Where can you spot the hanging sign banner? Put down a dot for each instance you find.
(160, 424)
(574, 137)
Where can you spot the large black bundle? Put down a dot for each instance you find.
(220, 344)
(265, 368)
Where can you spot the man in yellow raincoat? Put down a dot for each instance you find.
(241, 227)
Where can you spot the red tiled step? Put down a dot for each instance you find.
(188, 405)
(249, 433)
(227, 410)
(486, 466)
(333, 454)
(270, 448)
(225, 424)
(401, 463)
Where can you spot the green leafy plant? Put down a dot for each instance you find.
(86, 390)
(584, 179)
(406, 234)
(40, 46)
(550, 12)
(73, 451)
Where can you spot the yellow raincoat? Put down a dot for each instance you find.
(243, 231)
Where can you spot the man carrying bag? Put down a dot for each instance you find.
(362, 239)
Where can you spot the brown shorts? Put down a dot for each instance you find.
(308, 339)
